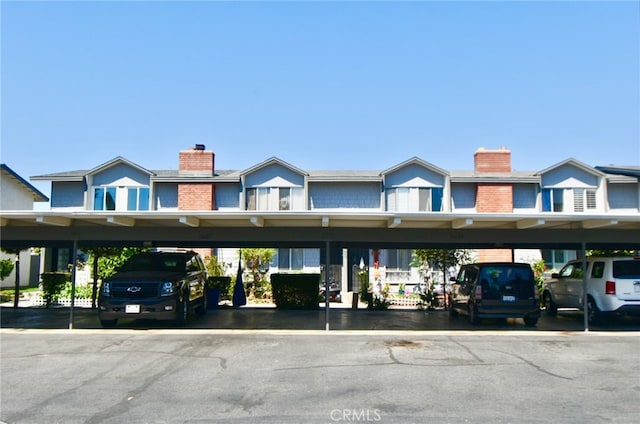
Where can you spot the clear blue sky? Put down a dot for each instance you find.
(321, 85)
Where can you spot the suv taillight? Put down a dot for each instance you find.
(478, 292)
(610, 287)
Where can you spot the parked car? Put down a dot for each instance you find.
(155, 285)
(495, 290)
(613, 286)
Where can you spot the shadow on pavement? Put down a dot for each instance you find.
(340, 319)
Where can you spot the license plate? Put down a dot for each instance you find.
(132, 309)
(508, 298)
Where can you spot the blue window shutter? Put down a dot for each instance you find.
(143, 201)
(436, 199)
(546, 200)
(132, 199)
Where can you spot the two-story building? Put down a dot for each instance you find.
(414, 190)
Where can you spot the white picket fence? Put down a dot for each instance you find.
(79, 303)
(405, 301)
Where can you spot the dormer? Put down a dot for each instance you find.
(416, 186)
(118, 185)
(572, 187)
(273, 185)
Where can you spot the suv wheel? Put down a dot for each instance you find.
(530, 321)
(550, 307)
(593, 313)
(183, 312)
(204, 305)
(108, 323)
(473, 315)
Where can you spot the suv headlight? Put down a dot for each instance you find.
(106, 288)
(169, 288)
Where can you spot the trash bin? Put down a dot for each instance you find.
(214, 298)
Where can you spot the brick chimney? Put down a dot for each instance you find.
(196, 161)
(199, 196)
(492, 160)
(493, 197)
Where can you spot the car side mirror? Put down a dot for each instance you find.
(452, 279)
(555, 275)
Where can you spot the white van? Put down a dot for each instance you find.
(613, 286)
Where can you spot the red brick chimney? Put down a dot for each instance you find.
(196, 162)
(493, 197)
(492, 160)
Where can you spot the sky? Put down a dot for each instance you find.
(351, 85)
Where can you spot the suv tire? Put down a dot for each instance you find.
(550, 307)
(473, 315)
(183, 312)
(593, 312)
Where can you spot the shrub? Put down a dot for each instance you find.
(296, 291)
(52, 284)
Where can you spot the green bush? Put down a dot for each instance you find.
(223, 284)
(6, 266)
(82, 292)
(52, 285)
(296, 291)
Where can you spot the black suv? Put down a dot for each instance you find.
(496, 290)
(155, 285)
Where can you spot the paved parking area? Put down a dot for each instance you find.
(340, 319)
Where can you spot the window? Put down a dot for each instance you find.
(121, 198)
(414, 199)
(285, 199)
(552, 200)
(104, 199)
(399, 259)
(291, 259)
(274, 198)
(584, 200)
(138, 199)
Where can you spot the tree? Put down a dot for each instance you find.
(440, 259)
(257, 263)
(16, 291)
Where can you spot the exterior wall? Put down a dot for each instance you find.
(623, 198)
(274, 176)
(120, 174)
(227, 196)
(344, 196)
(414, 176)
(569, 176)
(524, 198)
(13, 196)
(166, 196)
(68, 195)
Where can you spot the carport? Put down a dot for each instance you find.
(310, 229)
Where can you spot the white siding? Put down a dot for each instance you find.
(344, 196)
(67, 195)
(623, 198)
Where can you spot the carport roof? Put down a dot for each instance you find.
(313, 228)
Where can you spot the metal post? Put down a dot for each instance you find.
(74, 259)
(327, 287)
(584, 287)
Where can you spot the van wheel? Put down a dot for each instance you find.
(593, 313)
(452, 311)
(108, 323)
(530, 321)
(473, 315)
(550, 307)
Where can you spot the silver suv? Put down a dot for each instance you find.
(613, 286)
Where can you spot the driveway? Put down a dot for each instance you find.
(340, 319)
